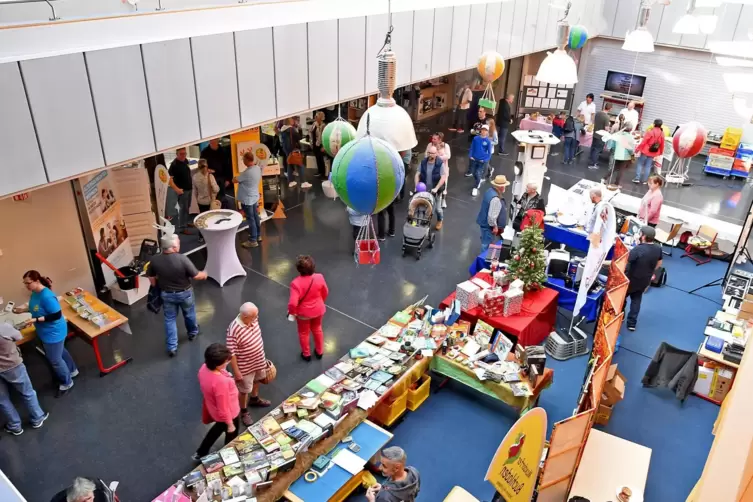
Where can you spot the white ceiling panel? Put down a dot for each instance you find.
(461, 18)
(518, 26)
(670, 14)
(551, 23)
(22, 164)
(291, 69)
(608, 18)
(172, 95)
(254, 49)
(442, 38)
(122, 106)
(505, 29)
(376, 29)
(323, 79)
(216, 83)
(491, 27)
(653, 24)
(475, 34)
(423, 34)
(63, 112)
(729, 15)
(626, 17)
(744, 30)
(529, 35)
(539, 42)
(352, 57)
(402, 45)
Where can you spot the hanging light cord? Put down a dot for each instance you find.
(567, 11)
(388, 37)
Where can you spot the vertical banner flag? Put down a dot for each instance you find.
(161, 184)
(602, 230)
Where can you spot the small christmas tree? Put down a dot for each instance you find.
(527, 262)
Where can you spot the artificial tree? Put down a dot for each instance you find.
(527, 262)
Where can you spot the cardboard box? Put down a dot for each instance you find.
(614, 388)
(722, 384)
(603, 414)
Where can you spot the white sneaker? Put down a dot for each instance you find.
(64, 388)
(474, 192)
(292, 184)
(74, 373)
(305, 184)
(444, 203)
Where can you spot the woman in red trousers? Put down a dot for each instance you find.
(308, 292)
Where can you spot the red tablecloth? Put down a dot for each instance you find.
(531, 326)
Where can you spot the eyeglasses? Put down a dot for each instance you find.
(28, 283)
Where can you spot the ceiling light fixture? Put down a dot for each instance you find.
(738, 82)
(707, 23)
(558, 67)
(688, 23)
(640, 39)
(739, 48)
(725, 61)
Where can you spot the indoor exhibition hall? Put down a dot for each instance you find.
(233, 266)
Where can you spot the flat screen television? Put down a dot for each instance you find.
(625, 83)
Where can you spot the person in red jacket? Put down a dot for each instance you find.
(651, 147)
(308, 292)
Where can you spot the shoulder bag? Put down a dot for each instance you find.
(291, 317)
(295, 158)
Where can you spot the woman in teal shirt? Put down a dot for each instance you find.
(50, 325)
(622, 145)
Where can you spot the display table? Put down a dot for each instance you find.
(218, 227)
(572, 237)
(338, 483)
(458, 494)
(567, 297)
(609, 463)
(530, 327)
(501, 391)
(88, 331)
(534, 125)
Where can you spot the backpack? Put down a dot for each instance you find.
(659, 278)
(569, 124)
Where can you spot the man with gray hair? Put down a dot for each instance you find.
(504, 119)
(172, 273)
(82, 490)
(531, 199)
(402, 484)
(248, 361)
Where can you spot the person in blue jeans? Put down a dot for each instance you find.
(480, 153)
(248, 195)
(433, 173)
(568, 133)
(492, 216)
(50, 326)
(13, 375)
(172, 272)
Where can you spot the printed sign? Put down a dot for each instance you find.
(515, 466)
(161, 184)
(602, 230)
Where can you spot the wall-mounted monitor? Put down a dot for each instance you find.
(625, 83)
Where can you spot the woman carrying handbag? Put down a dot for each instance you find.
(308, 292)
(292, 158)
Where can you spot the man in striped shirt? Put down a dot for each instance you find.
(248, 360)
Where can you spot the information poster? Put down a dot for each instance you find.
(240, 143)
(106, 220)
(161, 184)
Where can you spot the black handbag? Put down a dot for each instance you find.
(154, 299)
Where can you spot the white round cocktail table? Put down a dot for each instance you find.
(218, 227)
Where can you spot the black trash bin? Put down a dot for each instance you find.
(131, 279)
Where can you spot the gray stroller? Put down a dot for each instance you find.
(417, 228)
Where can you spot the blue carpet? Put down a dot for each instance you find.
(684, 274)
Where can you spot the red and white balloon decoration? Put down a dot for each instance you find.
(689, 139)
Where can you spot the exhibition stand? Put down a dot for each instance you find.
(541, 124)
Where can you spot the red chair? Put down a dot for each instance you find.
(701, 244)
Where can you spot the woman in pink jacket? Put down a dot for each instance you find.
(651, 203)
(221, 407)
(308, 292)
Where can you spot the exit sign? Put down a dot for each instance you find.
(21, 196)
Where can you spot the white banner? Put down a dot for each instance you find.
(602, 230)
(161, 184)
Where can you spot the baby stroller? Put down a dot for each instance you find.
(417, 228)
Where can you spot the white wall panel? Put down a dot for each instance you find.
(442, 39)
(491, 27)
(22, 164)
(653, 24)
(729, 15)
(460, 23)
(402, 45)
(124, 124)
(670, 15)
(744, 23)
(551, 26)
(376, 29)
(475, 34)
(216, 83)
(323, 80)
(504, 35)
(291, 69)
(626, 17)
(61, 104)
(529, 35)
(352, 57)
(539, 42)
(608, 16)
(423, 39)
(254, 50)
(518, 26)
(172, 95)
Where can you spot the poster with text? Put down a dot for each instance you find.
(161, 184)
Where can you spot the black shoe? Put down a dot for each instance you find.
(15, 432)
(504, 153)
(318, 355)
(391, 234)
(172, 353)
(382, 238)
(191, 338)
(631, 328)
(305, 358)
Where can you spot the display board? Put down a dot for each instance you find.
(240, 143)
(542, 97)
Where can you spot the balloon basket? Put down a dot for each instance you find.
(486, 103)
(487, 99)
(367, 252)
(329, 190)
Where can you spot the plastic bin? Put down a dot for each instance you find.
(131, 279)
(418, 396)
(387, 413)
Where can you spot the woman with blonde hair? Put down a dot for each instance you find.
(317, 131)
(494, 137)
(205, 185)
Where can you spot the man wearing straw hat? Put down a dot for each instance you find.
(492, 217)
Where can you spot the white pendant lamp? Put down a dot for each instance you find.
(707, 23)
(558, 67)
(640, 39)
(687, 25)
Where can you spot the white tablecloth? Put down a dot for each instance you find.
(218, 229)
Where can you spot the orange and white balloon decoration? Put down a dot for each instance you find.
(490, 66)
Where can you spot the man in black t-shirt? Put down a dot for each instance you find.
(180, 181)
(643, 260)
(480, 121)
(220, 165)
